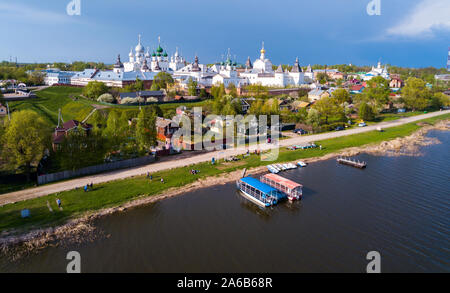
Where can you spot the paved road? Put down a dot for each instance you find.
(185, 161)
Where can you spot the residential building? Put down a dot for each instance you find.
(61, 131)
(396, 83)
(57, 77)
(165, 129)
(3, 110)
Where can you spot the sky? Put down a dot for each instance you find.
(412, 33)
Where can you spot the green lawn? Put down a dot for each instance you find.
(50, 100)
(77, 202)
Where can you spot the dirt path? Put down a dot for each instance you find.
(202, 157)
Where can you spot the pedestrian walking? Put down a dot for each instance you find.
(162, 180)
(58, 202)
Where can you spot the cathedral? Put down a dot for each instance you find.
(377, 71)
(157, 61)
(262, 72)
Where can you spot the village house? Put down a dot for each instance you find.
(244, 104)
(165, 129)
(396, 83)
(62, 131)
(357, 89)
(284, 105)
(3, 110)
(317, 94)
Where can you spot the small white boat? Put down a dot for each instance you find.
(301, 164)
(272, 169)
(292, 166)
(281, 167)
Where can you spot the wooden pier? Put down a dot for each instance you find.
(353, 163)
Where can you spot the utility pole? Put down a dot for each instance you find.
(7, 109)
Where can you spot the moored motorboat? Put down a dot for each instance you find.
(301, 164)
(258, 192)
(291, 189)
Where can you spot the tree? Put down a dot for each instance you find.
(313, 117)
(415, 94)
(256, 108)
(366, 112)
(81, 149)
(377, 93)
(342, 96)
(328, 107)
(203, 93)
(218, 91)
(192, 87)
(36, 78)
(25, 139)
(163, 80)
(115, 130)
(146, 128)
(94, 89)
(155, 87)
(2, 99)
(441, 100)
(232, 90)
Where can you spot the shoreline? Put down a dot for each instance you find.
(81, 229)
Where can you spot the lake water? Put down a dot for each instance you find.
(398, 206)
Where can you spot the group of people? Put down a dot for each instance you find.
(193, 172)
(150, 176)
(88, 186)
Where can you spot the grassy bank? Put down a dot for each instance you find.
(77, 202)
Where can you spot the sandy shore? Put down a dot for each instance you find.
(81, 229)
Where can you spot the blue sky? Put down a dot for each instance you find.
(412, 33)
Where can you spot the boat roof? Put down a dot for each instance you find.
(258, 185)
(283, 181)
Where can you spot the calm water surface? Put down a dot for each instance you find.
(399, 206)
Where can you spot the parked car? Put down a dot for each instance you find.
(339, 128)
(362, 124)
(299, 131)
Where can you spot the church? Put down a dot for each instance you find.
(377, 71)
(261, 72)
(156, 62)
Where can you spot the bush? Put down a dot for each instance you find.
(331, 126)
(366, 112)
(128, 101)
(106, 98)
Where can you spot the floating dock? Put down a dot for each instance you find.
(259, 192)
(291, 189)
(350, 162)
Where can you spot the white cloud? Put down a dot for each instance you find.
(427, 17)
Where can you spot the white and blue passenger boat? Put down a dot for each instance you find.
(259, 193)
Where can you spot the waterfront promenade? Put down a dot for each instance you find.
(198, 158)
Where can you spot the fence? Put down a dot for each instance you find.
(47, 178)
